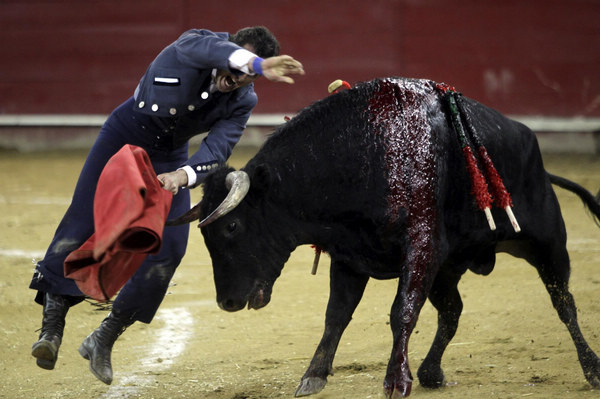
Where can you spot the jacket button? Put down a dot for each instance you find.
(204, 95)
(191, 107)
(172, 111)
(141, 104)
(154, 107)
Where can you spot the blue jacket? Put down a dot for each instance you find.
(175, 93)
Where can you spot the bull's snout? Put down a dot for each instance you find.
(259, 296)
(231, 305)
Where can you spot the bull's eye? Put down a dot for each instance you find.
(231, 227)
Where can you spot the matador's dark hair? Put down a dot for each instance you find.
(264, 42)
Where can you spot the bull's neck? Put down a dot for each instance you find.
(311, 232)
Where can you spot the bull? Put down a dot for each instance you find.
(377, 177)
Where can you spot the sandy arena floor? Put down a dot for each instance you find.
(510, 342)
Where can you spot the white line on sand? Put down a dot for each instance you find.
(35, 201)
(161, 354)
(20, 253)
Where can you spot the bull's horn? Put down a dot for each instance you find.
(238, 183)
(189, 216)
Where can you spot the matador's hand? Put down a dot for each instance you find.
(278, 68)
(173, 180)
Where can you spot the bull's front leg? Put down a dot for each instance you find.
(346, 290)
(412, 293)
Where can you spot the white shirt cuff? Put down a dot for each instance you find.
(190, 174)
(239, 60)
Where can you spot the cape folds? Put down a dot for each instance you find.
(130, 210)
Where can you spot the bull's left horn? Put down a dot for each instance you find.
(238, 183)
(188, 217)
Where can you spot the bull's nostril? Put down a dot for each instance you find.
(230, 305)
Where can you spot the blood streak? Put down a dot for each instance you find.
(398, 111)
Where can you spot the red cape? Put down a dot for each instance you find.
(130, 210)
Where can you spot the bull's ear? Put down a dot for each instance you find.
(261, 179)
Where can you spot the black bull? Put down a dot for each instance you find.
(376, 177)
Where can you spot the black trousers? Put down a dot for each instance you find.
(143, 293)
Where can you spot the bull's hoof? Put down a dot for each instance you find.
(397, 393)
(310, 386)
(594, 380)
(399, 389)
(591, 369)
(431, 377)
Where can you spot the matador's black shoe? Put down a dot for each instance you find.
(45, 350)
(97, 347)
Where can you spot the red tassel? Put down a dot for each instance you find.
(502, 197)
(479, 186)
(445, 88)
(500, 193)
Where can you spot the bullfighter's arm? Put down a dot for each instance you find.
(204, 49)
(215, 149)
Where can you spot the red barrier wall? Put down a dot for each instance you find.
(538, 57)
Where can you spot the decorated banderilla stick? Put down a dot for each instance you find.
(478, 183)
(499, 191)
(483, 198)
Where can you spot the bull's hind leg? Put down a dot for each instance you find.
(446, 299)
(552, 262)
(554, 272)
(412, 293)
(346, 290)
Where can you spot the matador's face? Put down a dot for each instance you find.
(226, 81)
